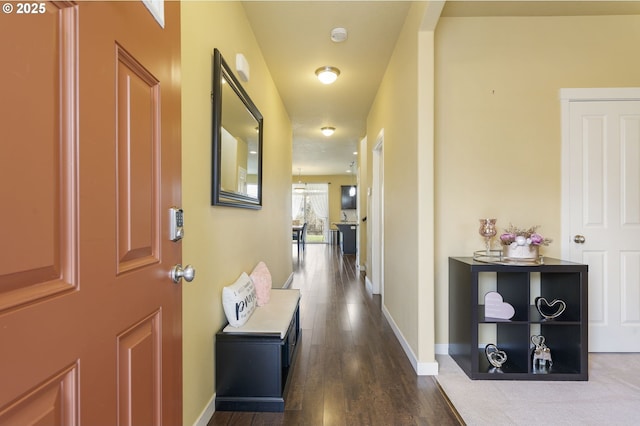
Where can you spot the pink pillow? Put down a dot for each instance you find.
(262, 280)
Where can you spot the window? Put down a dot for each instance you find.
(310, 204)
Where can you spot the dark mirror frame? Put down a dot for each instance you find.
(220, 197)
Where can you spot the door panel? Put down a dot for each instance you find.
(90, 321)
(604, 207)
(630, 172)
(630, 276)
(138, 147)
(53, 402)
(139, 373)
(39, 226)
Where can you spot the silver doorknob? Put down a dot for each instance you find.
(579, 239)
(177, 273)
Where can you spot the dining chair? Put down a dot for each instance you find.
(301, 236)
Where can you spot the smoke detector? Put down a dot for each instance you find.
(242, 67)
(338, 35)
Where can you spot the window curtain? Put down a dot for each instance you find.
(297, 200)
(318, 196)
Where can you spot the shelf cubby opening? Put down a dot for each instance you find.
(512, 366)
(563, 286)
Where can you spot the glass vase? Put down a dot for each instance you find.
(488, 231)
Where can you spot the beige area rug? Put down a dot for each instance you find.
(611, 397)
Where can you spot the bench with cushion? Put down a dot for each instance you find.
(254, 359)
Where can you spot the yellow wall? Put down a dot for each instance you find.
(498, 121)
(395, 110)
(222, 242)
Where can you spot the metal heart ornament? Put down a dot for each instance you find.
(495, 356)
(538, 341)
(546, 309)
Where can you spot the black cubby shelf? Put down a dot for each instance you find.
(470, 330)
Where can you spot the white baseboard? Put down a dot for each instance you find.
(442, 349)
(287, 283)
(421, 368)
(427, 368)
(207, 413)
(368, 283)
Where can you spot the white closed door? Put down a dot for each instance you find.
(602, 214)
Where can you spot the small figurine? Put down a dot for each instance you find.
(541, 353)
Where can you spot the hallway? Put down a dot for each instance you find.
(350, 368)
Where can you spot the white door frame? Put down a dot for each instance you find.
(362, 160)
(580, 95)
(377, 217)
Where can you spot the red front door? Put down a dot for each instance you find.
(90, 321)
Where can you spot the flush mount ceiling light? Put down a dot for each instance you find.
(328, 131)
(327, 74)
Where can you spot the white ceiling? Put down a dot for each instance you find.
(294, 37)
(295, 40)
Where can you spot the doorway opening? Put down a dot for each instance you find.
(310, 205)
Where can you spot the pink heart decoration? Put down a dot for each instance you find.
(496, 307)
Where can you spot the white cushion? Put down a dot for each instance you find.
(273, 318)
(239, 300)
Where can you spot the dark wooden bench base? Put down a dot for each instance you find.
(252, 370)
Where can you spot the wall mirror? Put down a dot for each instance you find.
(237, 141)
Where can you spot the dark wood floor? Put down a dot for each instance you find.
(350, 368)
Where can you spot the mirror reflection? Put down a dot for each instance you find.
(237, 142)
